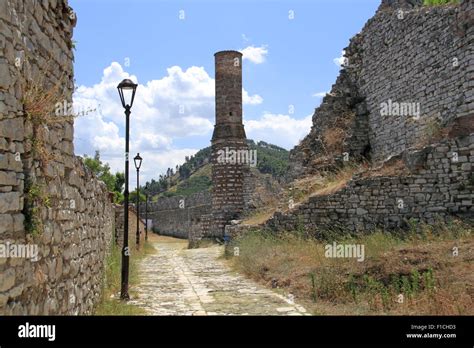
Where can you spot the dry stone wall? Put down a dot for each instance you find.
(440, 186)
(177, 216)
(48, 198)
(419, 56)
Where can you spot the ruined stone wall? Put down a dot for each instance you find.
(177, 216)
(404, 54)
(440, 186)
(48, 198)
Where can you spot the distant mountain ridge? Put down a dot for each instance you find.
(195, 174)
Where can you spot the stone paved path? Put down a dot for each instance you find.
(178, 281)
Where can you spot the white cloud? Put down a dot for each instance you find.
(245, 38)
(319, 94)
(339, 61)
(278, 129)
(157, 162)
(179, 105)
(251, 99)
(255, 54)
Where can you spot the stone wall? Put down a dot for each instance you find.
(132, 225)
(48, 198)
(439, 185)
(177, 216)
(195, 220)
(404, 54)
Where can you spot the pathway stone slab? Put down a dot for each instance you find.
(178, 281)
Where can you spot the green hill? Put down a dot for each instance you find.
(194, 175)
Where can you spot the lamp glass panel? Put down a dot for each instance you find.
(127, 95)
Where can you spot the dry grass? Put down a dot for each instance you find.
(393, 168)
(420, 265)
(301, 190)
(110, 303)
(39, 99)
(334, 139)
(433, 133)
(259, 217)
(336, 182)
(326, 183)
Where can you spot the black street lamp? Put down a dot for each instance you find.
(126, 90)
(146, 212)
(138, 163)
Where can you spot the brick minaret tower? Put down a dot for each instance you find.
(229, 134)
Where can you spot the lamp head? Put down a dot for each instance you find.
(138, 161)
(126, 90)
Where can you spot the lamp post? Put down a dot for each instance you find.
(146, 212)
(126, 90)
(138, 163)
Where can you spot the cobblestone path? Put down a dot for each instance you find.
(178, 281)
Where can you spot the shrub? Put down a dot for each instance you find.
(439, 2)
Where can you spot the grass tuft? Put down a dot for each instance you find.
(110, 303)
(440, 2)
(414, 272)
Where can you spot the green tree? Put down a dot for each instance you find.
(101, 170)
(114, 182)
(119, 182)
(133, 196)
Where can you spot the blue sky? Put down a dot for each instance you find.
(168, 49)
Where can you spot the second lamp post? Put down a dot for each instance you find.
(138, 162)
(146, 212)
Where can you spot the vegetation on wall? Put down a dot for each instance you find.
(39, 102)
(439, 2)
(34, 198)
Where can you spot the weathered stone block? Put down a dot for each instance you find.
(6, 223)
(10, 202)
(5, 76)
(8, 178)
(7, 279)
